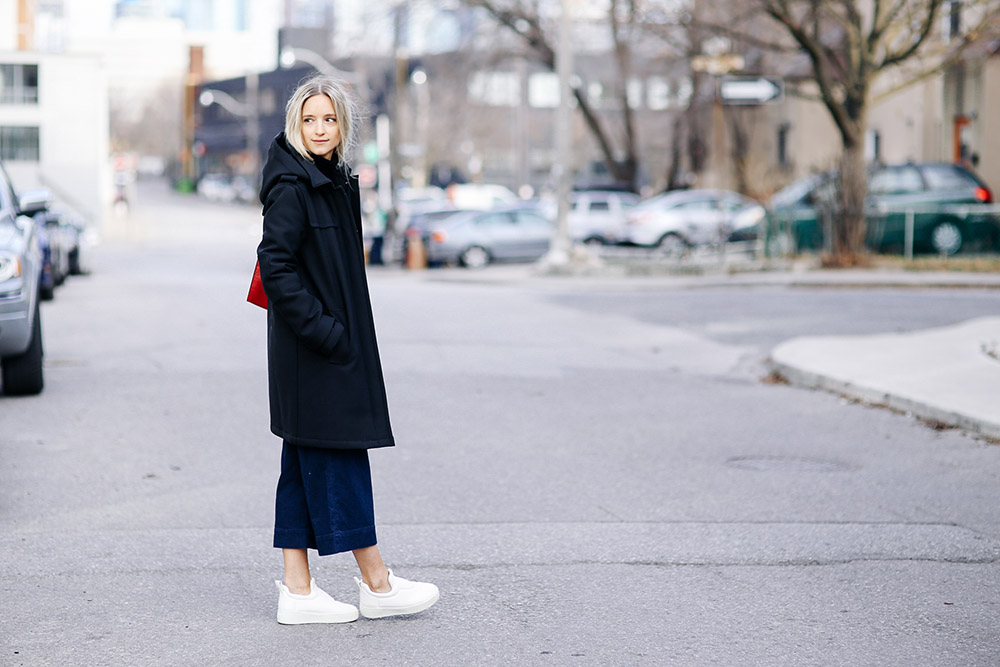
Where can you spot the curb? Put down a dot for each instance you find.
(923, 410)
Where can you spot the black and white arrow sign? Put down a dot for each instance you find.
(751, 90)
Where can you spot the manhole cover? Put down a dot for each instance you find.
(786, 464)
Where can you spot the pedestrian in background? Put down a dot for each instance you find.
(326, 390)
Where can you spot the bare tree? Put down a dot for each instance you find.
(850, 44)
(525, 20)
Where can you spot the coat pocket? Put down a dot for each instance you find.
(341, 353)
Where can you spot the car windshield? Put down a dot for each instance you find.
(666, 200)
(795, 192)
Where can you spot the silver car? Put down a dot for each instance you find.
(684, 218)
(476, 238)
(598, 216)
(20, 322)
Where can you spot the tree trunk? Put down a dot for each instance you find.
(849, 223)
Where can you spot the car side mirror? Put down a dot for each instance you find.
(34, 201)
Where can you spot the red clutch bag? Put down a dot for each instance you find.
(257, 296)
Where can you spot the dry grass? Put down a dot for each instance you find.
(967, 264)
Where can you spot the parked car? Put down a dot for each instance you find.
(682, 218)
(936, 193)
(419, 224)
(20, 318)
(47, 277)
(74, 233)
(476, 238)
(598, 216)
(217, 187)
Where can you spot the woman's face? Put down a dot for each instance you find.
(320, 131)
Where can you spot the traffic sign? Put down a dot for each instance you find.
(751, 90)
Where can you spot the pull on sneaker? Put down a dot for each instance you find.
(316, 607)
(406, 597)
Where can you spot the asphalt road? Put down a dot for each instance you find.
(592, 473)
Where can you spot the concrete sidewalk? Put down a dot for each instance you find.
(949, 374)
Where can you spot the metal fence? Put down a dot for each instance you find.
(903, 230)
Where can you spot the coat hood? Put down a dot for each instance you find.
(283, 160)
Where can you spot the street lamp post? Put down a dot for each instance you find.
(290, 56)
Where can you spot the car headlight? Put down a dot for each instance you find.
(10, 266)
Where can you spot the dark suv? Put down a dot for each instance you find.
(944, 199)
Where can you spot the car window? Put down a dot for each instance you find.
(895, 181)
(529, 218)
(796, 192)
(948, 177)
(599, 205)
(734, 203)
(493, 220)
(696, 205)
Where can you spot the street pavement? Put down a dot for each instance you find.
(595, 470)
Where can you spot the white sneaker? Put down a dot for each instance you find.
(405, 597)
(317, 607)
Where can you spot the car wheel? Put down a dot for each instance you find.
(946, 238)
(594, 241)
(22, 375)
(475, 257)
(671, 244)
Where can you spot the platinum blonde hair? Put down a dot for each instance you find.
(344, 105)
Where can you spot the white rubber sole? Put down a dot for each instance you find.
(303, 617)
(383, 612)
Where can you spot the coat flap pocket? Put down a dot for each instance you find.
(323, 221)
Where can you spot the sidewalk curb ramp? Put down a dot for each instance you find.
(947, 374)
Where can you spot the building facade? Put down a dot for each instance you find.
(54, 127)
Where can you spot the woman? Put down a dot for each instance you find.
(327, 395)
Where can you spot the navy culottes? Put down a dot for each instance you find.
(324, 500)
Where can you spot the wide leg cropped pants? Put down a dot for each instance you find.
(324, 500)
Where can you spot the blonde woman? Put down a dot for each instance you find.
(327, 395)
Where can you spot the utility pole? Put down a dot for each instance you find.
(253, 124)
(559, 251)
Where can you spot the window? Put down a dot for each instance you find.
(634, 93)
(696, 205)
(529, 219)
(19, 143)
(18, 84)
(873, 146)
(496, 89)
(658, 94)
(783, 159)
(896, 180)
(599, 205)
(543, 90)
(493, 220)
(947, 177)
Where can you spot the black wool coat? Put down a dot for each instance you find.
(324, 375)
